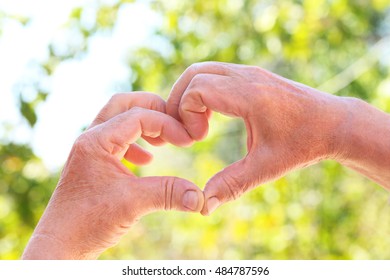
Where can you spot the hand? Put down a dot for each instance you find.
(97, 199)
(289, 125)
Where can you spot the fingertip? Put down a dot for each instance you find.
(182, 137)
(172, 110)
(210, 205)
(179, 194)
(200, 134)
(196, 124)
(145, 161)
(209, 114)
(198, 131)
(188, 143)
(186, 195)
(139, 161)
(138, 155)
(204, 212)
(193, 200)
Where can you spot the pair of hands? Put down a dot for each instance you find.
(97, 199)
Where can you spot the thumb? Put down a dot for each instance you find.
(229, 184)
(167, 193)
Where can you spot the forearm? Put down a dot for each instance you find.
(43, 247)
(367, 142)
(55, 239)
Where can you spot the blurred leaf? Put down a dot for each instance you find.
(28, 112)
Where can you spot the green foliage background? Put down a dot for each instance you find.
(322, 212)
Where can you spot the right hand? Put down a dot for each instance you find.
(289, 125)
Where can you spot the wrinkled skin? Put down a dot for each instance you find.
(97, 198)
(289, 125)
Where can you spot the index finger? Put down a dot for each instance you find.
(116, 135)
(122, 102)
(185, 79)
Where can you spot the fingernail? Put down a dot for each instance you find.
(191, 200)
(212, 204)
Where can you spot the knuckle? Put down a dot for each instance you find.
(234, 187)
(256, 70)
(82, 140)
(198, 66)
(198, 80)
(210, 67)
(83, 144)
(157, 104)
(146, 100)
(101, 117)
(117, 97)
(107, 112)
(198, 84)
(136, 111)
(202, 64)
(168, 186)
(195, 66)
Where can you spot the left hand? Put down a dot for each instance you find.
(289, 125)
(97, 198)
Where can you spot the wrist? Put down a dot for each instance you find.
(45, 247)
(356, 132)
(339, 146)
(367, 145)
(330, 118)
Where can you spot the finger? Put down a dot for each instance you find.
(138, 155)
(230, 183)
(209, 114)
(122, 102)
(185, 79)
(154, 141)
(151, 194)
(116, 135)
(210, 92)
